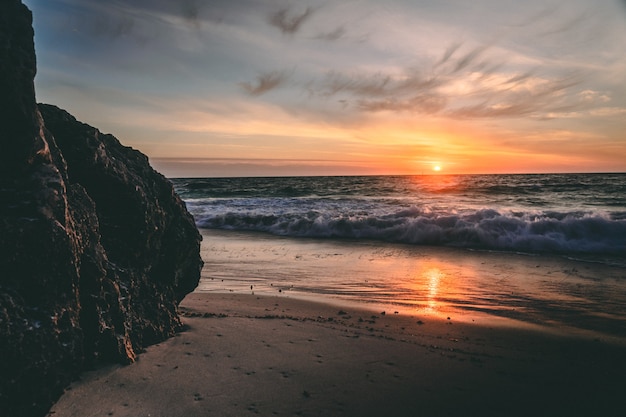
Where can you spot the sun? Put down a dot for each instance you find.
(437, 168)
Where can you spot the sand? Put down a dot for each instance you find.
(246, 355)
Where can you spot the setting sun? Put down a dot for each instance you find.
(436, 168)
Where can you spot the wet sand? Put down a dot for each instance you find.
(541, 289)
(278, 356)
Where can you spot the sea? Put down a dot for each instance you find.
(544, 249)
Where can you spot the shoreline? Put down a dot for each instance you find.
(267, 355)
(490, 288)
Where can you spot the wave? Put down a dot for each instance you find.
(551, 231)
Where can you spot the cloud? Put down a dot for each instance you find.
(191, 12)
(111, 21)
(421, 103)
(465, 82)
(377, 85)
(143, 20)
(469, 58)
(287, 22)
(537, 98)
(608, 112)
(264, 83)
(332, 36)
(105, 26)
(448, 53)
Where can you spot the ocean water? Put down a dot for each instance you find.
(542, 249)
(576, 214)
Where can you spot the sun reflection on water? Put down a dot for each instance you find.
(436, 287)
(432, 277)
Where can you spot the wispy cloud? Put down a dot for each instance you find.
(289, 22)
(145, 20)
(471, 83)
(448, 53)
(469, 58)
(376, 85)
(421, 103)
(191, 12)
(110, 27)
(333, 35)
(264, 83)
(524, 96)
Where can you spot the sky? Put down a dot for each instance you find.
(355, 87)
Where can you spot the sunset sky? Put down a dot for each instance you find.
(274, 87)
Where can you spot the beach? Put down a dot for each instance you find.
(260, 343)
(379, 296)
(269, 355)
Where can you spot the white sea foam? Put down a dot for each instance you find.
(487, 228)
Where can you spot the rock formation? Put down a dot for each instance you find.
(96, 249)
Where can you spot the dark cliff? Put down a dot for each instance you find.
(96, 249)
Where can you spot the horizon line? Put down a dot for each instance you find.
(433, 174)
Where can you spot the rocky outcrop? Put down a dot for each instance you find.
(96, 249)
(149, 241)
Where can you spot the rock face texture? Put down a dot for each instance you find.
(96, 249)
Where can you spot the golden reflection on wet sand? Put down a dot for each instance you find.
(418, 280)
(433, 275)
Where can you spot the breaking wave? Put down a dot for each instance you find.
(555, 213)
(574, 232)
